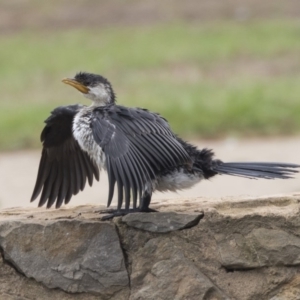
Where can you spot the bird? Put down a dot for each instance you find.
(136, 147)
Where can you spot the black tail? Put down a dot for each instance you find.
(257, 170)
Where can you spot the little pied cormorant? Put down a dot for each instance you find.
(135, 146)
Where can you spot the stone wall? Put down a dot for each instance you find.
(193, 249)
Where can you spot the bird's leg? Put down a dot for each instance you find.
(144, 207)
(145, 202)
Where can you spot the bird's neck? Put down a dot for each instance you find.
(101, 101)
(97, 104)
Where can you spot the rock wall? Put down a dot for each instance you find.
(193, 249)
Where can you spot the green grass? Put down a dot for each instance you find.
(171, 69)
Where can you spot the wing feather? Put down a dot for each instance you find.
(42, 175)
(82, 170)
(64, 167)
(48, 185)
(124, 175)
(138, 179)
(119, 184)
(111, 181)
(132, 184)
(137, 146)
(63, 187)
(55, 187)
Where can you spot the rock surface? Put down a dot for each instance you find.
(162, 222)
(243, 249)
(73, 255)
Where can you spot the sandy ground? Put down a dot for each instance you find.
(18, 173)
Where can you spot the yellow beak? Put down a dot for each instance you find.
(80, 87)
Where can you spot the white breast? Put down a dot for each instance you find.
(177, 180)
(84, 136)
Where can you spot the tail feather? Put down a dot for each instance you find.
(258, 170)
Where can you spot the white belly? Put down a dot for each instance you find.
(84, 136)
(178, 180)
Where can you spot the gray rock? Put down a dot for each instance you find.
(289, 291)
(162, 272)
(73, 255)
(242, 249)
(15, 286)
(261, 247)
(162, 222)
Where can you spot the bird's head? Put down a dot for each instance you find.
(94, 87)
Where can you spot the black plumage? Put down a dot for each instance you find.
(64, 167)
(136, 147)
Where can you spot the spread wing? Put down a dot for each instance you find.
(137, 145)
(64, 167)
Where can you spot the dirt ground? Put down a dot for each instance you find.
(18, 173)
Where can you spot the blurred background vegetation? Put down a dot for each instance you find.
(212, 68)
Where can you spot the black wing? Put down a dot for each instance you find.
(138, 145)
(64, 167)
